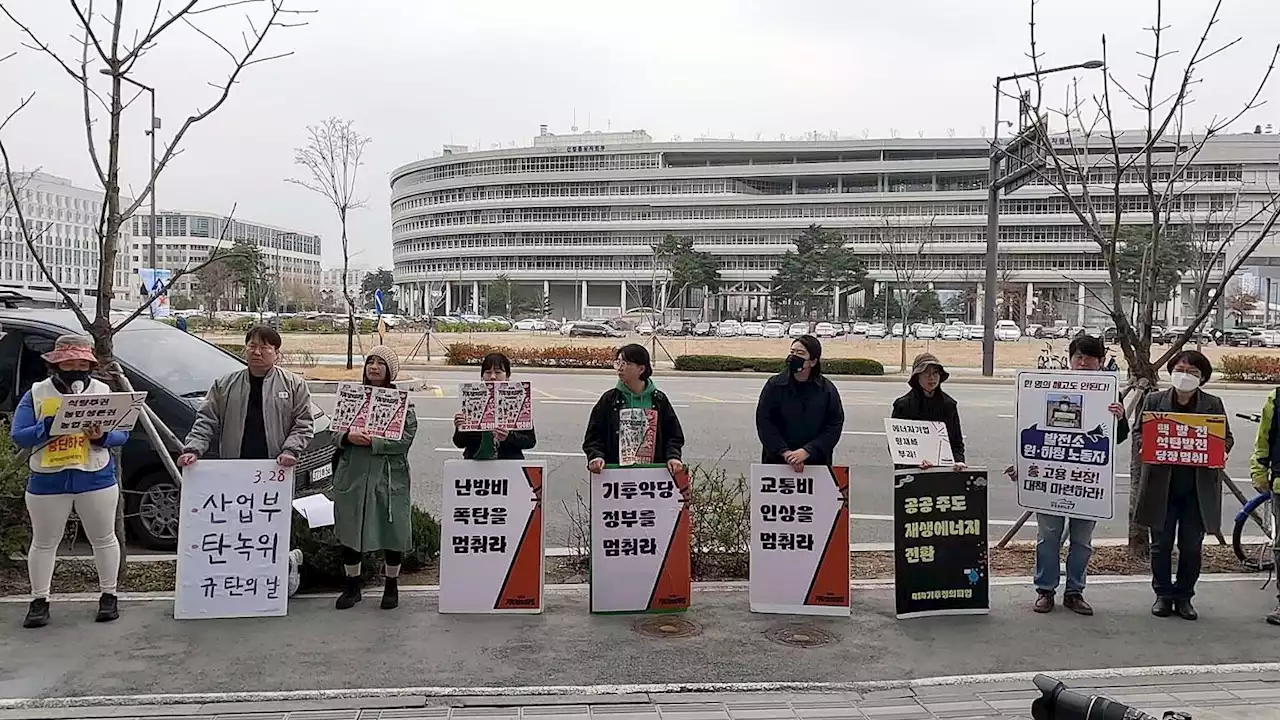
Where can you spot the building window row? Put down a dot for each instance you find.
(538, 164)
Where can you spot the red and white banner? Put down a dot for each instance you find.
(640, 541)
(799, 540)
(491, 538)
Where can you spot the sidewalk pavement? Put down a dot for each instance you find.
(414, 654)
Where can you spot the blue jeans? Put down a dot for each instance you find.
(1049, 546)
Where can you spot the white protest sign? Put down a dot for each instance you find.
(377, 411)
(640, 533)
(491, 539)
(233, 540)
(799, 540)
(914, 441)
(488, 406)
(1067, 443)
(113, 411)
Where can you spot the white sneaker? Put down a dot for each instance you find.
(295, 571)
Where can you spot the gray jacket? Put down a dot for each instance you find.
(286, 415)
(1152, 502)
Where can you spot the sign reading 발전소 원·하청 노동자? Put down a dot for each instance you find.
(940, 542)
(640, 534)
(1067, 443)
(491, 537)
(233, 540)
(799, 540)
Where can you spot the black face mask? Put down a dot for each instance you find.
(795, 363)
(67, 377)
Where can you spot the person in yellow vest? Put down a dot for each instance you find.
(68, 472)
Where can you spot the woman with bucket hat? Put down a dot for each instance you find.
(926, 401)
(75, 471)
(372, 506)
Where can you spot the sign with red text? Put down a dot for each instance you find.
(488, 406)
(1184, 439)
(799, 540)
(377, 411)
(640, 534)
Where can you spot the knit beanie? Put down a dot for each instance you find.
(387, 356)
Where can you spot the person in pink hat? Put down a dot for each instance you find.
(68, 472)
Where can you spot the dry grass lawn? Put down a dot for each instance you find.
(960, 354)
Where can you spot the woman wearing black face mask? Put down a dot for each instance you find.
(799, 417)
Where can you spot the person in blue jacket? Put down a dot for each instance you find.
(75, 471)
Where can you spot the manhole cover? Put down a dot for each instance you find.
(667, 627)
(802, 636)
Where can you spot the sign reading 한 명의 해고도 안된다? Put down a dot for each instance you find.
(1067, 443)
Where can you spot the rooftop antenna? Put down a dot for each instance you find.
(574, 126)
(951, 132)
(758, 135)
(865, 133)
(919, 133)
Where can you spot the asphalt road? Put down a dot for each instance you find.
(718, 416)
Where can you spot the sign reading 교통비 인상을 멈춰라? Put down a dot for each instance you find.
(233, 540)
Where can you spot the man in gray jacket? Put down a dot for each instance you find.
(258, 413)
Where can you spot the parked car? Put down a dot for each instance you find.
(530, 324)
(824, 330)
(774, 330)
(876, 332)
(952, 332)
(798, 329)
(974, 332)
(592, 329)
(1007, 331)
(860, 328)
(1032, 330)
(493, 319)
(702, 329)
(753, 329)
(927, 332)
(1238, 337)
(175, 369)
(898, 330)
(729, 328)
(644, 327)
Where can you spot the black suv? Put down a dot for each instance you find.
(175, 370)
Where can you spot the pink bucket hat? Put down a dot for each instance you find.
(71, 347)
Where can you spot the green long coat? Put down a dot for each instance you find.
(371, 493)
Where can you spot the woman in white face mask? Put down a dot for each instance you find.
(1180, 503)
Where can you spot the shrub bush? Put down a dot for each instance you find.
(553, 356)
(322, 554)
(462, 327)
(729, 363)
(1250, 368)
(15, 528)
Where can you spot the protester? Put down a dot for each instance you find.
(1085, 353)
(926, 401)
(259, 413)
(498, 444)
(799, 416)
(1180, 503)
(659, 438)
(72, 472)
(1264, 469)
(372, 506)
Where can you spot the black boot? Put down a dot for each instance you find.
(351, 595)
(391, 594)
(108, 608)
(37, 614)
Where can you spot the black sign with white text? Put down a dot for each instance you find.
(940, 542)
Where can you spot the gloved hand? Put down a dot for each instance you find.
(1262, 483)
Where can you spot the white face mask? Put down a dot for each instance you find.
(1186, 382)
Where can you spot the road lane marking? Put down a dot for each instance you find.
(1004, 416)
(707, 398)
(544, 394)
(863, 432)
(540, 453)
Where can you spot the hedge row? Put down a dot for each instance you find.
(322, 553)
(1250, 368)
(462, 327)
(729, 363)
(552, 356)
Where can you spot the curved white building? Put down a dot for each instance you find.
(574, 218)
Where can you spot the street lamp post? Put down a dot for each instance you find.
(155, 125)
(994, 186)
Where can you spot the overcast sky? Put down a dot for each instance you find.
(417, 74)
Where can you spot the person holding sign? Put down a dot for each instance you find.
(68, 472)
(499, 444)
(1085, 353)
(259, 413)
(1180, 503)
(926, 401)
(1264, 471)
(634, 423)
(371, 501)
(799, 416)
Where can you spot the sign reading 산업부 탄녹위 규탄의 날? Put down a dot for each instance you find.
(1193, 439)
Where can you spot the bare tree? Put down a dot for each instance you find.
(904, 250)
(108, 52)
(333, 156)
(1092, 164)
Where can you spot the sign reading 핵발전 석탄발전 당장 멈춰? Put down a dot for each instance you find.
(1193, 439)
(799, 540)
(491, 537)
(1067, 443)
(233, 540)
(940, 542)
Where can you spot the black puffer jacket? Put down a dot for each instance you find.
(792, 415)
(915, 405)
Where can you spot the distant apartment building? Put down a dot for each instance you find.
(64, 218)
(185, 239)
(331, 283)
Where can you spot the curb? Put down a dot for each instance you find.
(414, 385)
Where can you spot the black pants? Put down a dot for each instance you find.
(353, 557)
(1184, 525)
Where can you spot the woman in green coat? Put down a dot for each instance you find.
(371, 492)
